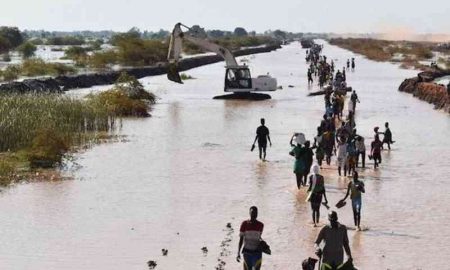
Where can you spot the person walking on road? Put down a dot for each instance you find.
(342, 156)
(375, 151)
(336, 241)
(387, 136)
(300, 163)
(354, 98)
(355, 189)
(361, 148)
(316, 192)
(262, 135)
(250, 238)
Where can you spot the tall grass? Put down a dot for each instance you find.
(24, 117)
(38, 130)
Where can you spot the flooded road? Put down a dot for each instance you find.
(188, 171)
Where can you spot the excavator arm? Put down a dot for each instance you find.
(175, 49)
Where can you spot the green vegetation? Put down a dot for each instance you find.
(65, 40)
(382, 50)
(27, 49)
(232, 43)
(131, 51)
(185, 76)
(78, 54)
(127, 98)
(10, 38)
(7, 170)
(240, 32)
(6, 57)
(35, 67)
(10, 73)
(37, 131)
(23, 117)
(95, 45)
(102, 59)
(36, 41)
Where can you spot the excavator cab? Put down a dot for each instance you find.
(238, 79)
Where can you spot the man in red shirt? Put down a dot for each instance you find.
(250, 238)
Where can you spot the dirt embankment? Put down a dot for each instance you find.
(423, 87)
(64, 83)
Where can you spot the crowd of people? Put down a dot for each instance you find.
(336, 136)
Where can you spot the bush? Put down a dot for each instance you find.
(120, 104)
(6, 57)
(422, 52)
(27, 50)
(11, 73)
(95, 45)
(7, 169)
(38, 67)
(127, 98)
(131, 51)
(47, 149)
(66, 40)
(36, 41)
(133, 88)
(75, 52)
(102, 59)
(139, 52)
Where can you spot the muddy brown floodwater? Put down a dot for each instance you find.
(188, 171)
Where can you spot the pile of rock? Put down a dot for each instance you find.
(423, 87)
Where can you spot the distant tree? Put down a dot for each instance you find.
(65, 40)
(216, 33)
(252, 33)
(75, 52)
(12, 34)
(134, 32)
(161, 34)
(5, 45)
(27, 49)
(240, 32)
(96, 44)
(278, 34)
(36, 41)
(198, 31)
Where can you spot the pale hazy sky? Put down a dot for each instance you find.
(291, 15)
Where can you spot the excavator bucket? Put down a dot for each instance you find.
(172, 73)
